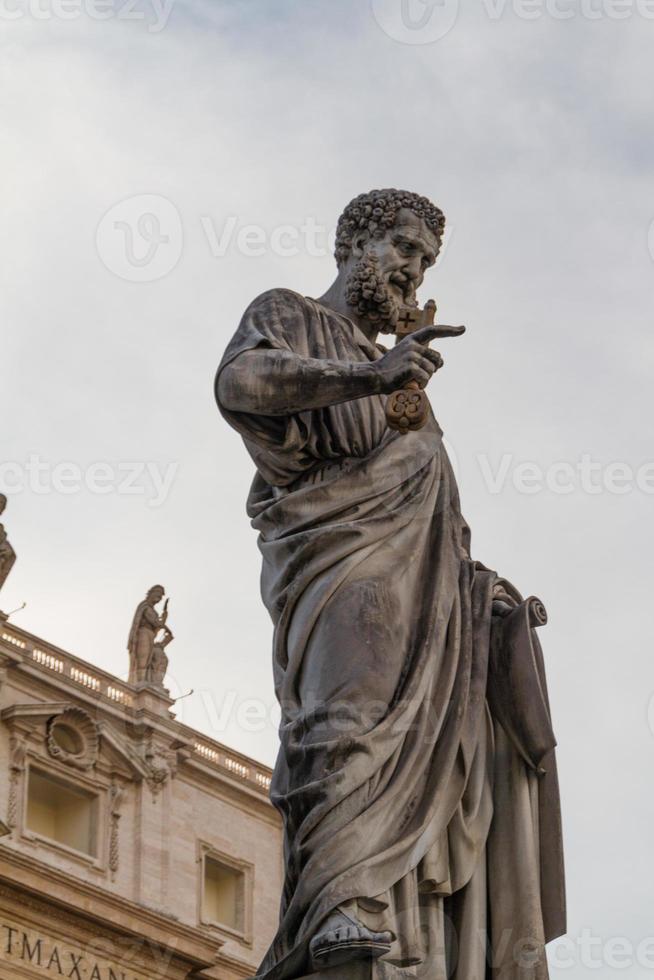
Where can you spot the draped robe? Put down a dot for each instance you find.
(403, 799)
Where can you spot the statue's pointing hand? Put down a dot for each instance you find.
(412, 360)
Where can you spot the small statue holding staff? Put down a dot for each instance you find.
(7, 553)
(147, 659)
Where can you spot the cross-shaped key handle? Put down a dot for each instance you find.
(412, 319)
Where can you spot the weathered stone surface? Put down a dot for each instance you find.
(384, 628)
(7, 553)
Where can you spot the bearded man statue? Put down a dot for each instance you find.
(416, 776)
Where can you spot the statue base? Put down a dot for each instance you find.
(364, 970)
(155, 700)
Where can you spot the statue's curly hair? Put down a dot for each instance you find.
(376, 212)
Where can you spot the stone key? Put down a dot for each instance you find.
(408, 409)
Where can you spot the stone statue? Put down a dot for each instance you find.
(148, 638)
(159, 664)
(7, 553)
(416, 773)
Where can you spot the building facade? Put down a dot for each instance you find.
(132, 847)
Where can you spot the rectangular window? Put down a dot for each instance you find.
(223, 895)
(62, 812)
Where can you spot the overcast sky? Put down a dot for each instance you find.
(164, 165)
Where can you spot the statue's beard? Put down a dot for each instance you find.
(369, 295)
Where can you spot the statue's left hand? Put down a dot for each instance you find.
(501, 608)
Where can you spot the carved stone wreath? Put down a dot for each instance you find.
(73, 738)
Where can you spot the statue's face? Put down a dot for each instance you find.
(385, 273)
(156, 596)
(405, 253)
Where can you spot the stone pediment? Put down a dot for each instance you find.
(73, 737)
(27, 717)
(122, 749)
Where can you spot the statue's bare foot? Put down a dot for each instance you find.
(342, 939)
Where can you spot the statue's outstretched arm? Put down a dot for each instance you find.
(274, 382)
(282, 383)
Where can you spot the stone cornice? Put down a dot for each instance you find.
(32, 662)
(123, 749)
(236, 967)
(34, 712)
(33, 676)
(228, 789)
(73, 899)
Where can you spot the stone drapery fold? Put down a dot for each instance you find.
(387, 773)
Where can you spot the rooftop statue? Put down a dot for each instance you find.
(148, 639)
(7, 553)
(416, 775)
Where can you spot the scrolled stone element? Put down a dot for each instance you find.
(537, 613)
(73, 738)
(116, 799)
